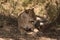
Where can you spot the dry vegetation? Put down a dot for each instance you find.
(11, 9)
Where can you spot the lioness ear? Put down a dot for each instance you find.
(26, 11)
(29, 10)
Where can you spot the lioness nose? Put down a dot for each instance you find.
(28, 29)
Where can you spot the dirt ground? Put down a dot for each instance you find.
(14, 35)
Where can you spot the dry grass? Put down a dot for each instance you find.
(15, 7)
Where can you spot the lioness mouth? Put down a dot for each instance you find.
(33, 32)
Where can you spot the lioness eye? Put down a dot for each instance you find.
(31, 21)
